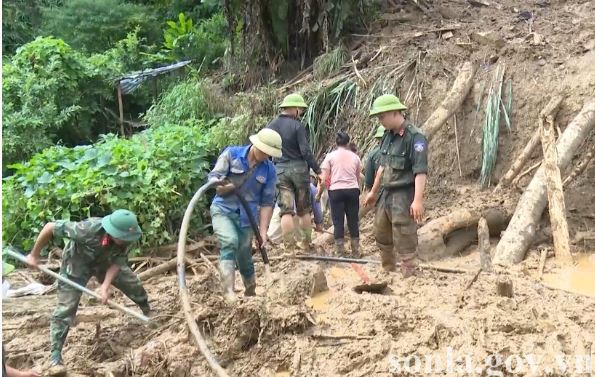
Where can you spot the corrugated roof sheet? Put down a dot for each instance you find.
(133, 80)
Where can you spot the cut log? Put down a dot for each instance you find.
(453, 100)
(483, 236)
(432, 236)
(161, 269)
(520, 232)
(555, 193)
(525, 155)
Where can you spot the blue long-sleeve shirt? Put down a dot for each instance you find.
(258, 189)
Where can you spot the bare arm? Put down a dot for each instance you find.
(111, 274)
(266, 213)
(44, 237)
(420, 185)
(417, 207)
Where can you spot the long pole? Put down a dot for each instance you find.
(79, 287)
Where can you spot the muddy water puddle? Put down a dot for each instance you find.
(336, 278)
(579, 278)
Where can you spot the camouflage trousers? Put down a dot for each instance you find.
(293, 188)
(68, 300)
(394, 228)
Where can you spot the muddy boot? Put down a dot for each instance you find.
(57, 368)
(355, 247)
(409, 267)
(289, 244)
(340, 247)
(228, 277)
(305, 243)
(249, 286)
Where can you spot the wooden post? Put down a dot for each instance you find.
(504, 287)
(551, 108)
(520, 233)
(483, 242)
(121, 108)
(555, 192)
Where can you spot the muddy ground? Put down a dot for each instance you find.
(285, 332)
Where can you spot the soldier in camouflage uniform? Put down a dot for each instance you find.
(402, 177)
(94, 247)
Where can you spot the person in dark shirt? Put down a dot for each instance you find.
(402, 177)
(293, 180)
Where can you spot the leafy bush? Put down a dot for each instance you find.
(189, 102)
(154, 174)
(42, 96)
(204, 43)
(53, 93)
(96, 25)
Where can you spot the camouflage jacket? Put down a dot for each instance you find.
(88, 246)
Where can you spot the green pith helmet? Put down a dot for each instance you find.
(293, 100)
(379, 132)
(122, 225)
(386, 102)
(268, 141)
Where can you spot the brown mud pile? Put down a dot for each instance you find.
(284, 332)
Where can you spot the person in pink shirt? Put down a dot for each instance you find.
(343, 167)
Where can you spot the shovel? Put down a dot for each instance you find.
(256, 231)
(367, 286)
(79, 287)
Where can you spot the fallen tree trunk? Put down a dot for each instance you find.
(515, 168)
(453, 100)
(581, 166)
(520, 232)
(433, 237)
(555, 193)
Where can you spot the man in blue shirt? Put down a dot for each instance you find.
(247, 169)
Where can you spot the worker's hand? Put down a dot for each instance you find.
(224, 188)
(32, 260)
(417, 211)
(28, 373)
(370, 199)
(104, 292)
(265, 239)
(318, 228)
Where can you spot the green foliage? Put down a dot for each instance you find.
(20, 19)
(204, 43)
(53, 93)
(154, 174)
(96, 25)
(295, 29)
(328, 63)
(42, 96)
(184, 104)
